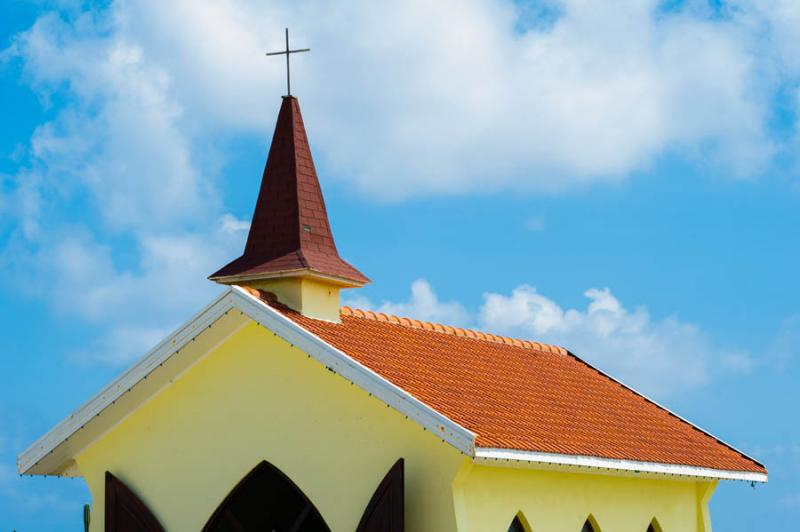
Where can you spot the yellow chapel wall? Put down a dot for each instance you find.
(552, 501)
(256, 398)
(309, 296)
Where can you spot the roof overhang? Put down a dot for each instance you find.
(568, 462)
(303, 273)
(53, 453)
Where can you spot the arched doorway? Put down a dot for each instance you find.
(266, 499)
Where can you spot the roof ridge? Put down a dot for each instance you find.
(449, 329)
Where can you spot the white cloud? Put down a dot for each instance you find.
(423, 304)
(784, 349)
(791, 500)
(137, 305)
(664, 356)
(661, 357)
(122, 141)
(534, 224)
(119, 199)
(120, 159)
(232, 225)
(444, 97)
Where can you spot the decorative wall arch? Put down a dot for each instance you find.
(125, 511)
(654, 526)
(385, 510)
(266, 499)
(519, 524)
(590, 525)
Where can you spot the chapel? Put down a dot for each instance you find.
(274, 408)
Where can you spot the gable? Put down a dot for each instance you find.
(253, 398)
(54, 452)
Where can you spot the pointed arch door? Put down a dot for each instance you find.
(125, 512)
(266, 499)
(384, 513)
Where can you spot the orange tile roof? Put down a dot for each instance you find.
(517, 394)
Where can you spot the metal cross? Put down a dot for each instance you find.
(287, 52)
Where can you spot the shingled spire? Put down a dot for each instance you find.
(290, 237)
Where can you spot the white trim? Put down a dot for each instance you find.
(490, 455)
(108, 395)
(308, 273)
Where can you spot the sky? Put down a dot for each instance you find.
(621, 178)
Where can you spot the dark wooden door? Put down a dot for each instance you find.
(125, 512)
(266, 500)
(384, 512)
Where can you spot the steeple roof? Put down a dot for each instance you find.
(290, 235)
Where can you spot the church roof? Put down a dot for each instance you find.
(518, 395)
(290, 233)
(496, 399)
(499, 400)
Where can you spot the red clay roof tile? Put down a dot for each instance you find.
(518, 394)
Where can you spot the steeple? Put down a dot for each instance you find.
(290, 248)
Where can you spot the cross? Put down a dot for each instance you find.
(287, 52)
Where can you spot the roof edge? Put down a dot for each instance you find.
(344, 282)
(472, 334)
(137, 372)
(670, 412)
(492, 455)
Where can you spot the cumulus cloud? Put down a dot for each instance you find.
(119, 191)
(116, 207)
(784, 349)
(450, 96)
(423, 304)
(661, 357)
(137, 304)
(534, 224)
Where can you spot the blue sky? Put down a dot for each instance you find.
(622, 181)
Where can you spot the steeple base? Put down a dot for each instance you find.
(307, 296)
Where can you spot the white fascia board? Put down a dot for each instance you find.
(355, 372)
(491, 456)
(140, 370)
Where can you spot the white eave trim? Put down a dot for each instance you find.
(490, 456)
(308, 273)
(108, 395)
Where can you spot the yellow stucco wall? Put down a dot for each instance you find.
(312, 297)
(257, 398)
(561, 502)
